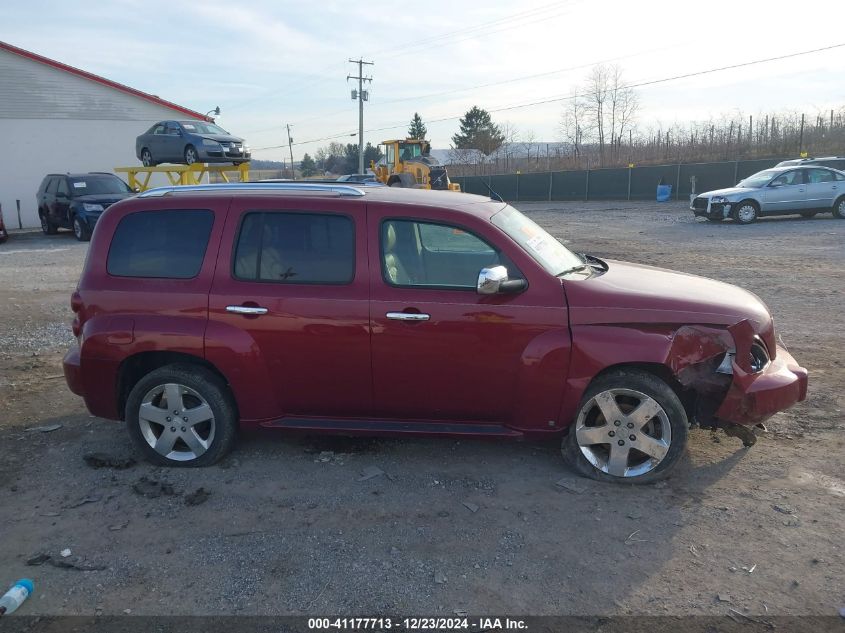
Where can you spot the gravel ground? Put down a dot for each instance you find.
(292, 525)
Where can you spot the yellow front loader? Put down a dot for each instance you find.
(407, 163)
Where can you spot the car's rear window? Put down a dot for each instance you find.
(160, 244)
(295, 248)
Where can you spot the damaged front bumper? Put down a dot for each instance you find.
(704, 208)
(755, 397)
(730, 382)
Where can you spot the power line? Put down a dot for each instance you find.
(410, 47)
(640, 84)
(478, 86)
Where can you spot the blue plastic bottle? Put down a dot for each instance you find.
(15, 597)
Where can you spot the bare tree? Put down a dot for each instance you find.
(623, 107)
(573, 124)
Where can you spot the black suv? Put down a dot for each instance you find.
(834, 162)
(75, 201)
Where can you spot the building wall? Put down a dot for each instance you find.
(53, 122)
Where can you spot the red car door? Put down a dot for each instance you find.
(441, 352)
(290, 299)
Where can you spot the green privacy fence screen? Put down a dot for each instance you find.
(619, 183)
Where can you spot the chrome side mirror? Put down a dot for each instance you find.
(495, 280)
(490, 280)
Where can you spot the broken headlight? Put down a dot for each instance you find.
(758, 359)
(759, 356)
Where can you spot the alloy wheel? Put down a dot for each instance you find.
(146, 158)
(176, 421)
(623, 432)
(190, 156)
(77, 228)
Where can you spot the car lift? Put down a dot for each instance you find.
(139, 177)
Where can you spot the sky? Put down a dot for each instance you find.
(271, 63)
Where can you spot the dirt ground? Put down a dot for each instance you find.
(292, 527)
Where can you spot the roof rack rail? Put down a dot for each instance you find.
(340, 189)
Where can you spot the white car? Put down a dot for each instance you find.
(804, 190)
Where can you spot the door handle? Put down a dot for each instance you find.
(251, 310)
(408, 316)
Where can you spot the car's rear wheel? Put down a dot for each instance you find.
(808, 214)
(839, 208)
(630, 428)
(191, 155)
(46, 226)
(147, 158)
(80, 229)
(181, 415)
(745, 212)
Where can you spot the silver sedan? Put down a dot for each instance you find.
(777, 191)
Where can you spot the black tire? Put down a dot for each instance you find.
(654, 388)
(210, 387)
(80, 229)
(839, 208)
(147, 158)
(47, 227)
(746, 212)
(191, 155)
(808, 214)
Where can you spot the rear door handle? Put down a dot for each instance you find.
(408, 316)
(252, 310)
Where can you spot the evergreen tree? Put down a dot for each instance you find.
(478, 132)
(417, 129)
(308, 167)
(371, 153)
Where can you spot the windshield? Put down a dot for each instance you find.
(542, 247)
(198, 127)
(759, 179)
(407, 151)
(98, 185)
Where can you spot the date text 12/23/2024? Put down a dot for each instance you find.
(416, 624)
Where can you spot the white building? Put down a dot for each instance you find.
(55, 119)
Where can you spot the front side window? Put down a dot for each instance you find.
(295, 248)
(431, 255)
(61, 188)
(789, 178)
(160, 244)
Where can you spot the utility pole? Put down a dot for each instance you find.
(361, 95)
(290, 149)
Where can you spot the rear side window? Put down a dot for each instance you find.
(160, 244)
(295, 248)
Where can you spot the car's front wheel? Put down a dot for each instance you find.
(839, 208)
(631, 428)
(745, 212)
(80, 229)
(182, 415)
(191, 155)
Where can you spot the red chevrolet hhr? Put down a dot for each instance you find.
(373, 310)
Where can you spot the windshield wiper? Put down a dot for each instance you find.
(574, 269)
